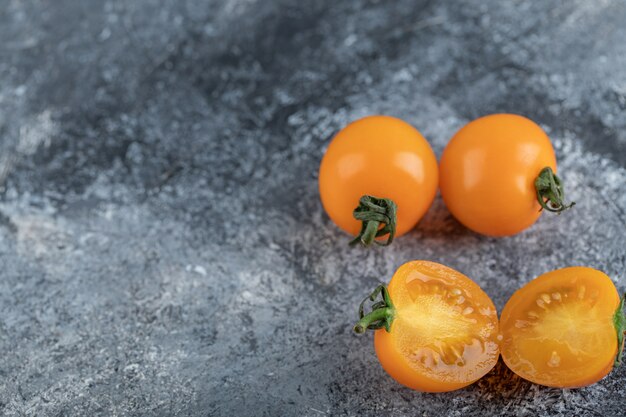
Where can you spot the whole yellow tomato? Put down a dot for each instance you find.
(498, 172)
(378, 178)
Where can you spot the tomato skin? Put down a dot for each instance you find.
(487, 173)
(558, 330)
(381, 156)
(475, 338)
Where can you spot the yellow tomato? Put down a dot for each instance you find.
(436, 329)
(377, 165)
(564, 328)
(498, 172)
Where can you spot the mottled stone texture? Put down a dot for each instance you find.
(163, 250)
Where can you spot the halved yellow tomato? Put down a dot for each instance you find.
(436, 330)
(563, 329)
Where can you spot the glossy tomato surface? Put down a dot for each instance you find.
(384, 157)
(444, 334)
(487, 173)
(558, 329)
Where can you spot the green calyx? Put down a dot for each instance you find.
(382, 314)
(374, 212)
(550, 194)
(619, 320)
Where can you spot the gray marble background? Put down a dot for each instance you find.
(163, 250)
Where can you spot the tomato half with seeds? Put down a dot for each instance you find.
(435, 329)
(563, 329)
(498, 173)
(377, 179)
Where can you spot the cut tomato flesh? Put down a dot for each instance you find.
(558, 331)
(440, 328)
(444, 329)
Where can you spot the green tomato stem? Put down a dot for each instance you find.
(382, 314)
(373, 212)
(550, 194)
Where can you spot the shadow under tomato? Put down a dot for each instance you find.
(439, 222)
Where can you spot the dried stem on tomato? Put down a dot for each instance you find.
(382, 313)
(374, 212)
(550, 194)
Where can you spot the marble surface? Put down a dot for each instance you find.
(163, 249)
